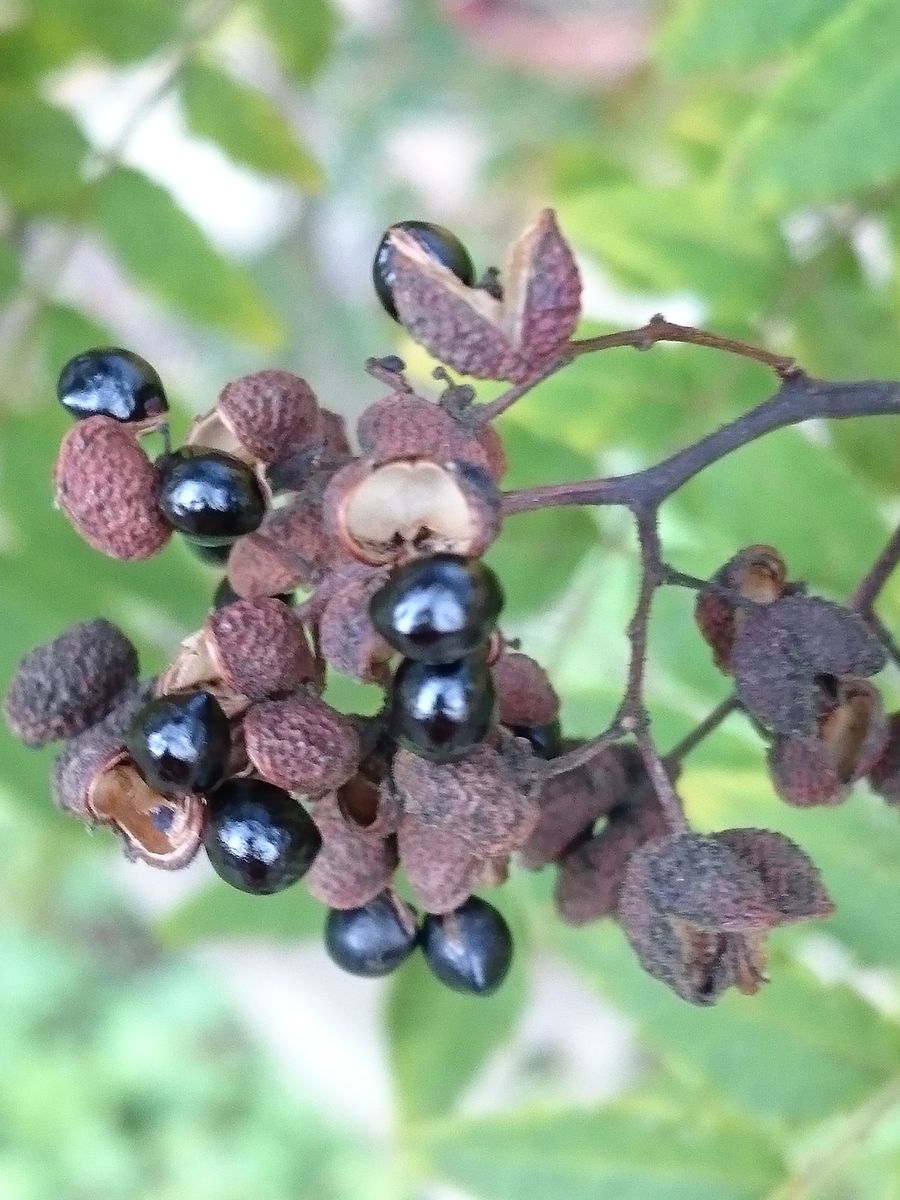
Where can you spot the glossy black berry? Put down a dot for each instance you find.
(111, 382)
(257, 837)
(180, 743)
(546, 740)
(209, 496)
(441, 711)
(438, 609)
(470, 949)
(373, 940)
(442, 245)
(225, 595)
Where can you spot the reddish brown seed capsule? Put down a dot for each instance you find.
(441, 868)
(348, 640)
(106, 486)
(255, 648)
(524, 691)
(272, 414)
(757, 573)
(884, 776)
(302, 745)
(413, 507)
(71, 683)
(477, 799)
(351, 868)
(289, 550)
(405, 425)
(164, 831)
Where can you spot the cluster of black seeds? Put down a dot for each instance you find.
(368, 564)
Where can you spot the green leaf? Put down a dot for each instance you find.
(626, 1152)
(302, 31)
(41, 149)
(31, 49)
(796, 1051)
(167, 253)
(830, 128)
(705, 35)
(123, 32)
(672, 239)
(220, 911)
(246, 124)
(438, 1039)
(9, 270)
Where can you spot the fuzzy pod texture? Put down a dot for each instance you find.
(82, 758)
(350, 869)
(302, 744)
(260, 647)
(591, 873)
(64, 687)
(405, 425)
(757, 573)
(106, 486)
(803, 773)
(348, 640)
(524, 692)
(272, 413)
(391, 512)
(289, 550)
(790, 879)
(884, 775)
(477, 799)
(781, 650)
(441, 868)
(571, 803)
(542, 301)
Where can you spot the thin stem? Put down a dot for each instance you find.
(708, 725)
(877, 576)
(669, 800)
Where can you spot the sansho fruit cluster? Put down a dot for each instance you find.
(233, 750)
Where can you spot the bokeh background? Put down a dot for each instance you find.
(206, 182)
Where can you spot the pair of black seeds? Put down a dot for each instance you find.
(469, 950)
(210, 497)
(440, 612)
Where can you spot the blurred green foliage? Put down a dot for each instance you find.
(752, 167)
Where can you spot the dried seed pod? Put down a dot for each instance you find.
(270, 413)
(757, 573)
(591, 873)
(370, 807)
(82, 758)
(412, 507)
(570, 804)
(331, 432)
(492, 445)
(348, 640)
(302, 744)
(69, 684)
(289, 550)
(472, 330)
(789, 878)
(255, 648)
(441, 868)
(524, 691)
(164, 831)
(884, 776)
(350, 869)
(106, 486)
(782, 649)
(405, 425)
(850, 737)
(478, 799)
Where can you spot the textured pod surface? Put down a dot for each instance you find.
(272, 413)
(524, 691)
(62, 688)
(289, 550)
(410, 508)
(476, 799)
(405, 425)
(441, 868)
(348, 640)
(757, 573)
(789, 878)
(884, 776)
(302, 744)
(82, 758)
(260, 647)
(542, 304)
(351, 868)
(106, 486)
(591, 874)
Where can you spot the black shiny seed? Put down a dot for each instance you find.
(546, 740)
(373, 940)
(438, 609)
(180, 743)
(225, 595)
(442, 245)
(470, 950)
(111, 382)
(209, 496)
(442, 711)
(257, 837)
